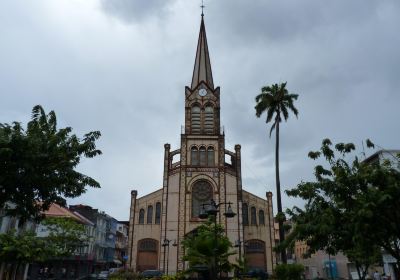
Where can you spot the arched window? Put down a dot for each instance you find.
(253, 216)
(245, 213)
(202, 156)
(194, 155)
(196, 120)
(261, 217)
(148, 245)
(255, 246)
(202, 193)
(158, 213)
(150, 214)
(209, 120)
(141, 216)
(210, 156)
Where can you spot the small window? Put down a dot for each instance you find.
(158, 212)
(253, 216)
(245, 213)
(261, 217)
(194, 154)
(196, 120)
(202, 156)
(150, 214)
(209, 120)
(141, 216)
(210, 156)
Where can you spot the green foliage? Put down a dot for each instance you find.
(352, 207)
(66, 236)
(202, 249)
(125, 274)
(289, 272)
(38, 164)
(178, 276)
(275, 100)
(22, 248)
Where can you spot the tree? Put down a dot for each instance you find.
(208, 247)
(66, 236)
(276, 101)
(19, 249)
(350, 207)
(37, 165)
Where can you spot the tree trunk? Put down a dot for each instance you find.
(278, 191)
(2, 265)
(26, 271)
(15, 274)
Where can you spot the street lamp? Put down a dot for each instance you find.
(166, 244)
(212, 211)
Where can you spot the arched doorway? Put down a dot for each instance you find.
(255, 254)
(147, 256)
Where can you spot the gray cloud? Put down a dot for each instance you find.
(134, 10)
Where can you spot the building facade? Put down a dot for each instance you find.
(199, 170)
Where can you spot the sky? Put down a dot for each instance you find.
(120, 67)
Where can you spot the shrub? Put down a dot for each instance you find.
(289, 272)
(126, 274)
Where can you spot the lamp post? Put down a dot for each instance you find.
(238, 244)
(166, 244)
(212, 211)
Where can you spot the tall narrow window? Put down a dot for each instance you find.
(245, 213)
(202, 156)
(253, 216)
(150, 214)
(210, 156)
(158, 213)
(196, 120)
(194, 155)
(209, 120)
(141, 216)
(261, 217)
(202, 193)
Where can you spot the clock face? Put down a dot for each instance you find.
(203, 92)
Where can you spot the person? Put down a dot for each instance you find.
(377, 276)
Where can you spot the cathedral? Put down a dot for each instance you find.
(198, 171)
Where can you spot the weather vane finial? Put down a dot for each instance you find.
(202, 8)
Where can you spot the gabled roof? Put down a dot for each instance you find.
(202, 65)
(56, 210)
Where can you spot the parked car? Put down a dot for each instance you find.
(148, 274)
(257, 273)
(113, 270)
(103, 275)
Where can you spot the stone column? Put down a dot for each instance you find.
(131, 243)
(164, 207)
(271, 227)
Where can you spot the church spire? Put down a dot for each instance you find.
(202, 65)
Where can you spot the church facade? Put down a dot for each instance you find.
(201, 169)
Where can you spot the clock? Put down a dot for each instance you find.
(202, 92)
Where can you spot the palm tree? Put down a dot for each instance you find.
(275, 100)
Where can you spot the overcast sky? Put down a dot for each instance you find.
(120, 66)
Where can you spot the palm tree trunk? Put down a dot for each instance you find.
(278, 191)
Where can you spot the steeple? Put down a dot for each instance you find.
(202, 65)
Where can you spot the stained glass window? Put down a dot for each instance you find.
(202, 193)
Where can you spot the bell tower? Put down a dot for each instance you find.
(202, 105)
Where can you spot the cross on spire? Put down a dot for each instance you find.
(202, 8)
